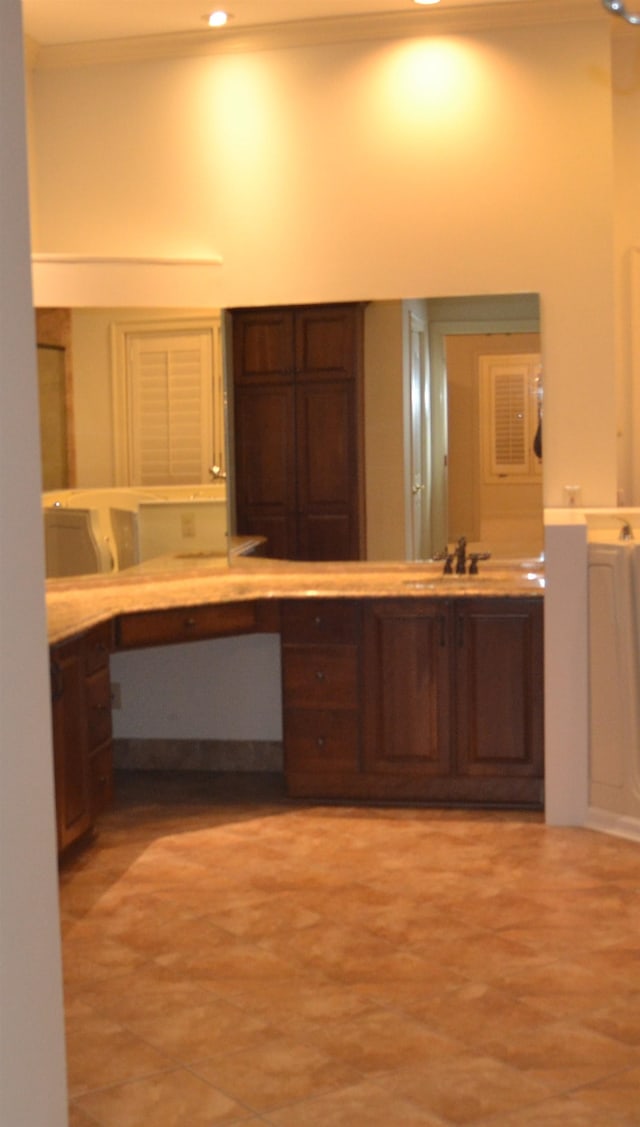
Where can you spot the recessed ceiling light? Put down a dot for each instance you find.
(426, 1)
(218, 19)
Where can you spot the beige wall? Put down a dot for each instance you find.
(457, 164)
(626, 104)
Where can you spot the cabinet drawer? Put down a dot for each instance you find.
(98, 697)
(186, 624)
(320, 620)
(320, 677)
(98, 647)
(321, 740)
(101, 779)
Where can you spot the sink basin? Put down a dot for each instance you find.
(504, 577)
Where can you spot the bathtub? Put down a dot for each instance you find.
(124, 526)
(614, 672)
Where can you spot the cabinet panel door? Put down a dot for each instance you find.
(265, 461)
(499, 675)
(327, 471)
(70, 748)
(327, 341)
(263, 345)
(406, 687)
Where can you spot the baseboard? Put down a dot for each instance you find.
(619, 825)
(197, 755)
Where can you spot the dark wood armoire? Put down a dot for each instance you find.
(298, 429)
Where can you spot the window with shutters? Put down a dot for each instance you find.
(168, 403)
(509, 406)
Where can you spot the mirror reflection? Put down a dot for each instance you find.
(445, 410)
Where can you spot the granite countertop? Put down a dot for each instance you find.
(77, 603)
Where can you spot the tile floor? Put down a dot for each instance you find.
(234, 958)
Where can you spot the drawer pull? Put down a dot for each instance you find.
(190, 622)
(320, 675)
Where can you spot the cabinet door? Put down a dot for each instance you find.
(499, 688)
(265, 466)
(406, 687)
(297, 411)
(70, 744)
(263, 345)
(327, 471)
(328, 342)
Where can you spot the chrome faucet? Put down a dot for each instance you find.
(460, 556)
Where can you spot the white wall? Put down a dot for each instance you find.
(224, 689)
(32, 1063)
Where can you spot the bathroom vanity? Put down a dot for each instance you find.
(391, 690)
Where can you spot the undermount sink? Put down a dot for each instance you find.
(503, 576)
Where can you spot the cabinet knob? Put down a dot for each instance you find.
(321, 743)
(319, 675)
(318, 620)
(189, 622)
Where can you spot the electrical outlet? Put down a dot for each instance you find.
(188, 523)
(116, 695)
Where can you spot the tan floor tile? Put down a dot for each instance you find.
(79, 1118)
(193, 1032)
(364, 1105)
(486, 956)
(381, 1041)
(101, 1052)
(172, 1099)
(297, 1005)
(463, 1089)
(266, 916)
(85, 961)
(617, 1093)
(561, 988)
(279, 1072)
(561, 1112)
(621, 1021)
(473, 1011)
(476, 967)
(560, 1045)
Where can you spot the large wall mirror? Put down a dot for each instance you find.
(451, 406)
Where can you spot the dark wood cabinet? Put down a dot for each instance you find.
(298, 421)
(81, 718)
(407, 674)
(421, 699)
(321, 693)
(499, 692)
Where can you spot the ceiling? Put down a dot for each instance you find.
(51, 22)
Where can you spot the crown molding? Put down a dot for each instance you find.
(68, 259)
(323, 32)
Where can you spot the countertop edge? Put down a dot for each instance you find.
(76, 605)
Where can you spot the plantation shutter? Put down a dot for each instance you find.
(169, 378)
